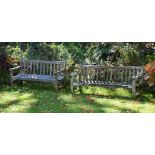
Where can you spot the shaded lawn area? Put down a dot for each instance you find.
(35, 98)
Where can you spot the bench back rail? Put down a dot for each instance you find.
(98, 74)
(41, 67)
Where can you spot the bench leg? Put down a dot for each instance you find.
(72, 88)
(134, 91)
(134, 88)
(21, 84)
(80, 88)
(11, 82)
(56, 86)
(11, 78)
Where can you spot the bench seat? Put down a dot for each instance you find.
(35, 77)
(101, 83)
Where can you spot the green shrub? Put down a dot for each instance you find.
(130, 56)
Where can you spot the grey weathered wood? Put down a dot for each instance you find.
(50, 69)
(47, 69)
(126, 76)
(39, 70)
(134, 87)
(43, 69)
(34, 68)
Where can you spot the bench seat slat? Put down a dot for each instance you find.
(104, 84)
(35, 77)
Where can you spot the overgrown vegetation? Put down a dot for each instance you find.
(76, 53)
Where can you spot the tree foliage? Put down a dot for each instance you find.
(77, 53)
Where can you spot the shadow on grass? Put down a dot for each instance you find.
(148, 98)
(9, 103)
(115, 94)
(79, 105)
(49, 101)
(106, 105)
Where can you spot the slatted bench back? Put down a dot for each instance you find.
(41, 67)
(99, 74)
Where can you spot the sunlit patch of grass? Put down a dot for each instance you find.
(43, 98)
(107, 91)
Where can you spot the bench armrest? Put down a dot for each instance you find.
(58, 72)
(137, 77)
(15, 68)
(73, 74)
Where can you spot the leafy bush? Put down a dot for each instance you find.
(150, 70)
(4, 67)
(44, 51)
(9, 57)
(13, 51)
(130, 55)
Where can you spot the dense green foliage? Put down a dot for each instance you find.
(127, 53)
(86, 53)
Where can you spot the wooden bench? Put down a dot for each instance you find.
(99, 75)
(39, 70)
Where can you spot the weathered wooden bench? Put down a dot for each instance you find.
(99, 75)
(39, 70)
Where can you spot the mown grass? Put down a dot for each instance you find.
(35, 98)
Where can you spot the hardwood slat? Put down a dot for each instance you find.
(34, 67)
(37, 72)
(97, 75)
(43, 69)
(103, 70)
(122, 75)
(24, 67)
(129, 75)
(50, 72)
(40, 66)
(107, 75)
(54, 68)
(111, 73)
(47, 69)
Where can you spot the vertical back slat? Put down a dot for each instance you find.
(54, 69)
(47, 69)
(97, 72)
(115, 75)
(84, 74)
(37, 70)
(129, 76)
(58, 66)
(43, 68)
(34, 68)
(122, 74)
(111, 73)
(30, 68)
(107, 75)
(40, 66)
(24, 65)
(50, 69)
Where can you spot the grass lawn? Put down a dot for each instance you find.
(35, 98)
